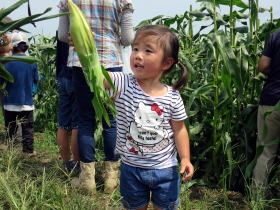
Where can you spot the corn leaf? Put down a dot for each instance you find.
(5, 74)
(26, 59)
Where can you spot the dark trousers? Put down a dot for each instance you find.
(87, 121)
(25, 118)
(86, 116)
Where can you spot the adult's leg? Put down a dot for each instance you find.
(74, 144)
(27, 131)
(75, 119)
(65, 112)
(86, 116)
(110, 132)
(63, 143)
(64, 140)
(86, 128)
(112, 165)
(267, 157)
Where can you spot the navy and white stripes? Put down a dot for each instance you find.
(148, 144)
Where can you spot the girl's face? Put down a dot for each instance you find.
(146, 60)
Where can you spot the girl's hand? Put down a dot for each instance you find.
(186, 170)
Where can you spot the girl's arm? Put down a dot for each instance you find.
(106, 83)
(107, 86)
(183, 147)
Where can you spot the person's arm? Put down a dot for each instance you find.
(183, 147)
(106, 83)
(63, 27)
(127, 34)
(267, 54)
(264, 64)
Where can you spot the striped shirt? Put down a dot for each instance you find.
(104, 17)
(144, 135)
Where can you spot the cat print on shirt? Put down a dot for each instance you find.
(147, 134)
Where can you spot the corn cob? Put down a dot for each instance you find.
(94, 72)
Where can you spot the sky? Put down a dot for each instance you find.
(144, 9)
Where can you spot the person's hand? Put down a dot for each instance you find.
(115, 95)
(186, 169)
(70, 40)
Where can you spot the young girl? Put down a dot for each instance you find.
(150, 123)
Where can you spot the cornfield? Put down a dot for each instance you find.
(221, 97)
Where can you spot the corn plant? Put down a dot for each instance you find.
(6, 26)
(44, 50)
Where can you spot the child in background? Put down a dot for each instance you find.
(18, 103)
(5, 48)
(67, 111)
(150, 123)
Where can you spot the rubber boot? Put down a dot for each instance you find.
(111, 178)
(86, 179)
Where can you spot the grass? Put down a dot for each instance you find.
(41, 183)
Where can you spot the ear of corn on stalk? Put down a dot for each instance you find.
(94, 72)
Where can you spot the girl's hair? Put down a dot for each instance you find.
(169, 43)
(20, 47)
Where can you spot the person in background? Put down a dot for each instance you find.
(269, 65)
(67, 110)
(150, 122)
(18, 103)
(111, 22)
(5, 40)
(5, 50)
(5, 45)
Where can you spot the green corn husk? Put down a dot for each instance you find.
(94, 72)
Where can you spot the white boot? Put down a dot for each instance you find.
(111, 179)
(86, 180)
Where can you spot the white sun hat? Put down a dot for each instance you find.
(18, 37)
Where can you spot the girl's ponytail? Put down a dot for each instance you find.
(183, 79)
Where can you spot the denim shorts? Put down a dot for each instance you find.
(138, 185)
(67, 104)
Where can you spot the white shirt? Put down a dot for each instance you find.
(18, 108)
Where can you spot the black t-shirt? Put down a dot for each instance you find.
(271, 91)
